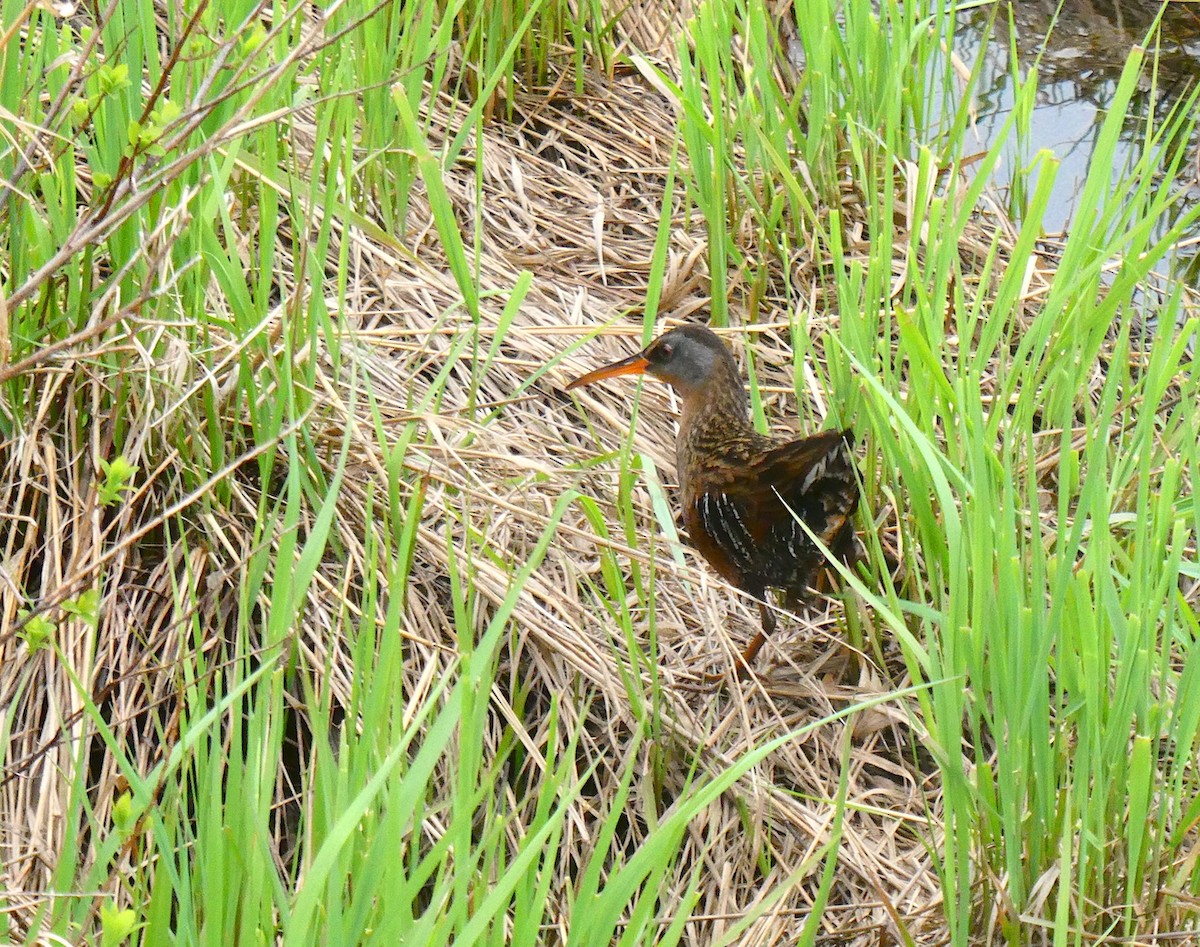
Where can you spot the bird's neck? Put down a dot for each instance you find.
(714, 422)
(722, 402)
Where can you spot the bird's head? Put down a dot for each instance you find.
(688, 359)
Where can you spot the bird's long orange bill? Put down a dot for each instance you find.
(634, 365)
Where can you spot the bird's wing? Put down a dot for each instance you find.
(815, 479)
(742, 520)
(722, 526)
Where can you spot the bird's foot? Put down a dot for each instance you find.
(742, 674)
(742, 669)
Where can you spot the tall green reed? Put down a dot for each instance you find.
(1035, 466)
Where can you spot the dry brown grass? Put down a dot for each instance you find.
(572, 189)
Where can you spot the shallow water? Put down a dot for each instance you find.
(1079, 52)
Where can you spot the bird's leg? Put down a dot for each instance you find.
(768, 629)
(746, 657)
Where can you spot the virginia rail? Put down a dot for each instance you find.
(742, 492)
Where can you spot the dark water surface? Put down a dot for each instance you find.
(1079, 50)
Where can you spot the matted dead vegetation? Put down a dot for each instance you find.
(572, 189)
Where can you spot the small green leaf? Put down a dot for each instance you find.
(112, 78)
(36, 631)
(255, 39)
(86, 607)
(122, 813)
(165, 114)
(115, 925)
(117, 474)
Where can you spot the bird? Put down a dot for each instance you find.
(742, 492)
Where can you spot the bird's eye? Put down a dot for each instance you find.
(664, 349)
